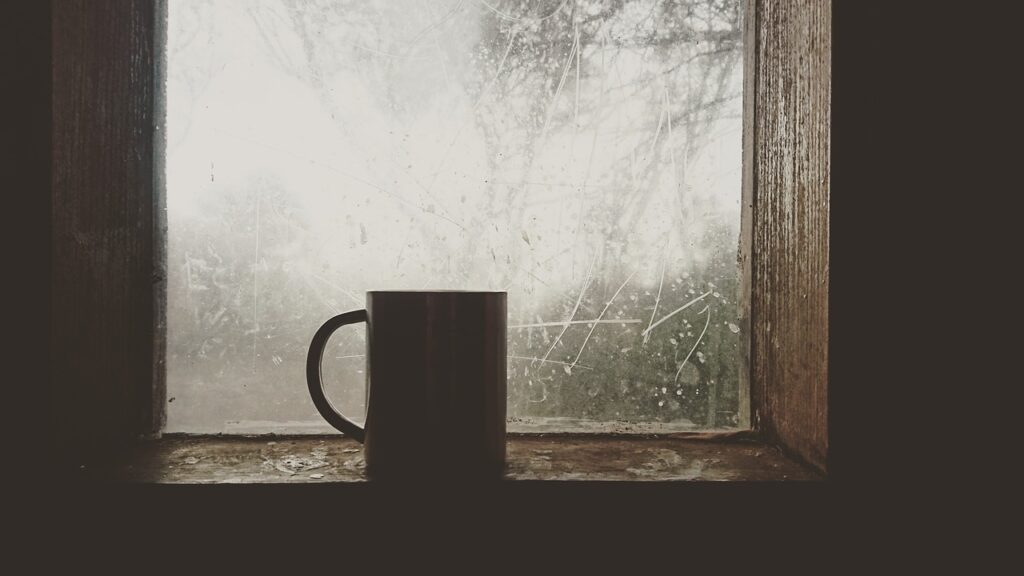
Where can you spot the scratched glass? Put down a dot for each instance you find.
(583, 155)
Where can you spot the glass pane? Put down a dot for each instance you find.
(583, 155)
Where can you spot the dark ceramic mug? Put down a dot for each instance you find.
(436, 382)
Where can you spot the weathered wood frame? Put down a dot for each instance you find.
(786, 221)
(109, 226)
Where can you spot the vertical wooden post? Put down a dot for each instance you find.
(790, 224)
(104, 329)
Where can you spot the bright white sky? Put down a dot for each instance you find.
(359, 159)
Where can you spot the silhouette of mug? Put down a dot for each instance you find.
(436, 381)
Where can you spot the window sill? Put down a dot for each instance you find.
(335, 459)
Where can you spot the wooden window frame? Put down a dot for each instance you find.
(108, 251)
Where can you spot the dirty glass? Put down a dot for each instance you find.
(583, 155)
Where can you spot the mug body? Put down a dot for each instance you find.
(436, 369)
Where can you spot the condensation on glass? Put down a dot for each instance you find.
(583, 155)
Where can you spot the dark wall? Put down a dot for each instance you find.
(25, 165)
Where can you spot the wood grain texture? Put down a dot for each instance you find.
(790, 225)
(316, 459)
(102, 338)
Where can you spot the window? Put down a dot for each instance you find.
(108, 293)
(584, 155)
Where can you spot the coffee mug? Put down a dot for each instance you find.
(435, 383)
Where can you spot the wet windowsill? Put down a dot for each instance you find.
(336, 459)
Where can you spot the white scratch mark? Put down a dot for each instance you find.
(576, 113)
(657, 133)
(507, 16)
(647, 333)
(583, 290)
(676, 311)
(671, 149)
(544, 392)
(542, 324)
(594, 327)
(581, 366)
(558, 90)
(444, 19)
(699, 338)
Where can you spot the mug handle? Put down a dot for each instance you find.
(315, 380)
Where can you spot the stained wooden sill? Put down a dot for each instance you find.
(336, 459)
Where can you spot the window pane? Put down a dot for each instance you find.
(583, 155)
